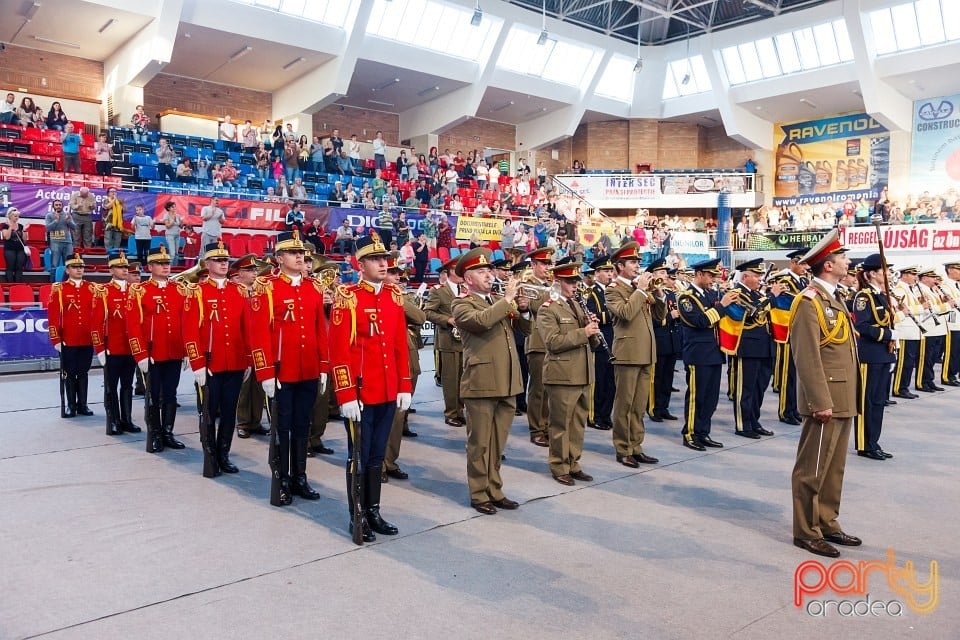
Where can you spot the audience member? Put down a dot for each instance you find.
(140, 121)
(171, 232)
(82, 205)
(228, 132)
(60, 229)
(353, 152)
(213, 218)
(185, 171)
(8, 110)
(191, 246)
(14, 250)
(379, 153)
(142, 233)
(71, 149)
(56, 118)
(112, 216)
(104, 155)
(165, 161)
(294, 218)
(345, 238)
(249, 137)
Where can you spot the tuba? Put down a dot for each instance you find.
(191, 275)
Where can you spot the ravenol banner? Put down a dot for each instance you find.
(830, 159)
(935, 152)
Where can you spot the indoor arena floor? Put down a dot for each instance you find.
(100, 540)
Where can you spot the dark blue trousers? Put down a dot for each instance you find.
(375, 423)
(703, 392)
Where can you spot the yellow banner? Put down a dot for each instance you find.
(484, 228)
(589, 234)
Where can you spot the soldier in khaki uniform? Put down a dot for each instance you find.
(491, 375)
(827, 382)
(570, 338)
(415, 318)
(447, 340)
(538, 413)
(634, 353)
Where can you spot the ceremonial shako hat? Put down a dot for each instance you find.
(753, 266)
(75, 261)
(912, 268)
(289, 241)
(711, 266)
(248, 261)
(602, 262)
(371, 246)
(449, 265)
(215, 250)
(829, 245)
(159, 255)
(473, 259)
(796, 254)
(543, 254)
(659, 263)
(117, 258)
(629, 251)
(567, 271)
(872, 262)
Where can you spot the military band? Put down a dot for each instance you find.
(794, 280)
(448, 345)
(604, 387)
(537, 285)
(932, 344)
(667, 331)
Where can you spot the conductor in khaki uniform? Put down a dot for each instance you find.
(827, 382)
(634, 354)
(491, 375)
(537, 410)
(570, 337)
(448, 343)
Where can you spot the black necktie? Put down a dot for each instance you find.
(573, 309)
(489, 299)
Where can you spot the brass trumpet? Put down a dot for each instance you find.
(533, 291)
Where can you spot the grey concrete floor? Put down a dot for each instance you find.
(100, 540)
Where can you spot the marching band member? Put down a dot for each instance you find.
(700, 310)
(538, 417)
(909, 330)
(604, 388)
(70, 321)
(569, 336)
(290, 354)
(876, 340)
(666, 330)
(950, 374)
(932, 342)
(251, 400)
(491, 374)
(447, 343)
(216, 332)
(371, 371)
(794, 281)
(109, 335)
(520, 338)
(154, 328)
(634, 352)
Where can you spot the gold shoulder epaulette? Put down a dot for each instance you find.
(56, 287)
(261, 285)
(345, 297)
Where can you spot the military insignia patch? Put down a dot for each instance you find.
(341, 377)
(192, 352)
(336, 316)
(861, 303)
(686, 305)
(255, 303)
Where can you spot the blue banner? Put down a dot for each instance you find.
(845, 126)
(935, 150)
(367, 219)
(23, 334)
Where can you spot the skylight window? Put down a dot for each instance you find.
(435, 26)
(617, 79)
(809, 48)
(912, 25)
(330, 12)
(555, 60)
(685, 78)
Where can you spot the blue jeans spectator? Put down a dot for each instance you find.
(59, 252)
(292, 173)
(380, 160)
(167, 172)
(345, 246)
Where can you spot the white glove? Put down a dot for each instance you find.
(102, 357)
(269, 387)
(323, 382)
(144, 365)
(894, 336)
(246, 373)
(351, 410)
(403, 401)
(186, 364)
(200, 375)
(58, 346)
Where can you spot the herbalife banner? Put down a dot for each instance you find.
(830, 159)
(935, 153)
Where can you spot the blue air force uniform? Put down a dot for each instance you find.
(874, 324)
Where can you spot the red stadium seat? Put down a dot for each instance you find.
(37, 233)
(443, 253)
(239, 245)
(258, 244)
(21, 297)
(44, 295)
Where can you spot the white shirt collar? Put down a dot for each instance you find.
(624, 280)
(122, 284)
(220, 282)
(830, 288)
(454, 287)
(75, 282)
(377, 286)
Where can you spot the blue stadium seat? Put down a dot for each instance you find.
(497, 254)
(435, 264)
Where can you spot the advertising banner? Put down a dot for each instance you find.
(673, 185)
(783, 241)
(34, 200)
(902, 237)
(830, 158)
(935, 150)
(365, 218)
(596, 188)
(690, 242)
(484, 228)
(23, 334)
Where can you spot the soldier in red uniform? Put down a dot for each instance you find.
(70, 320)
(216, 330)
(109, 335)
(250, 404)
(289, 341)
(370, 370)
(154, 329)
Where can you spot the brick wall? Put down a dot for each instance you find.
(564, 160)
(50, 74)
(476, 133)
(363, 122)
(579, 144)
(678, 146)
(719, 151)
(644, 141)
(166, 92)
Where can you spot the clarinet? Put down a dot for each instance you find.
(601, 341)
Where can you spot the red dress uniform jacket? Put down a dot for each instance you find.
(296, 313)
(156, 311)
(70, 313)
(368, 331)
(109, 320)
(217, 320)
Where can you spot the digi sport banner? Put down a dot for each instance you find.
(830, 159)
(935, 149)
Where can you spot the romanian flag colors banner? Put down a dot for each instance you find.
(730, 328)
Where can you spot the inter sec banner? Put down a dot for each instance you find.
(935, 150)
(830, 158)
(23, 334)
(606, 187)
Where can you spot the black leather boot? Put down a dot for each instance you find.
(154, 430)
(70, 393)
(374, 520)
(223, 442)
(168, 417)
(368, 535)
(82, 381)
(126, 412)
(111, 411)
(138, 389)
(298, 456)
